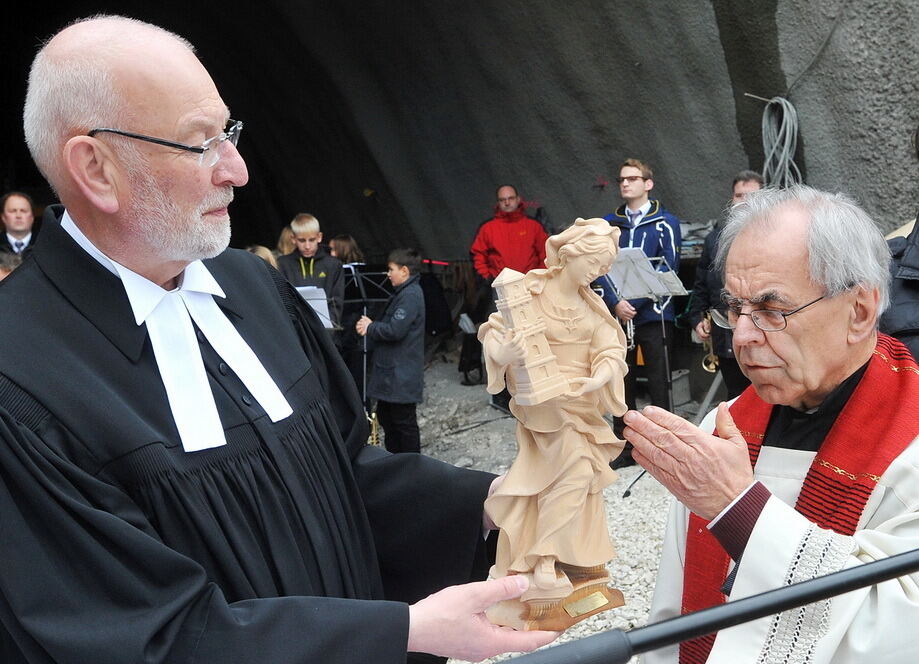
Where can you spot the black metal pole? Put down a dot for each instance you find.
(617, 646)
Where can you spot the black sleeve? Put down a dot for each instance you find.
(86, 579)
(702, 298)
(426, 518)
(336, 380)
(426, 515)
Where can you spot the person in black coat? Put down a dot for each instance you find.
(706, 293)
(246, 519)
(901, 319)
(397, 362)
(311, 265)
(17, 236)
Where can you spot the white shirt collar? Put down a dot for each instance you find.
(644, 209)
(143, 294)
(168, 316)
(13, 240)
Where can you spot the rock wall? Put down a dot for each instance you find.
(396, 120)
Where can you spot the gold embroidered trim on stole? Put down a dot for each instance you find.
(851, 476)
(893, 368)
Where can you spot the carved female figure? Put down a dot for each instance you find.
(550, 505)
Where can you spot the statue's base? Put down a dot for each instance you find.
(588, 598)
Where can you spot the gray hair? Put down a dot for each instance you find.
(72, 91)
(845, 248)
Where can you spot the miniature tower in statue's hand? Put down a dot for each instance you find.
(538, 378)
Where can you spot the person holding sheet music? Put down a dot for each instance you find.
(645, 223)
(311, 265)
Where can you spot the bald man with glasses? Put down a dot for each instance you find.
(184, 468)
(813, 468)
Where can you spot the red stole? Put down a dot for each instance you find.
(867, 435)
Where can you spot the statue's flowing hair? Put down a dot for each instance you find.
(583, 237)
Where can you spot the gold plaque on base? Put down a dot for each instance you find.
(586, 600)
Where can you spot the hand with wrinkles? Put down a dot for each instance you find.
(704, 472)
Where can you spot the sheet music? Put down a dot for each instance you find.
(634, 276)
(316, 298)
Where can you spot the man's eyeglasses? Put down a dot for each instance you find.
(630, 178)
(208, 152)
(768, 320)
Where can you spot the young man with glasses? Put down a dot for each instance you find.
(645, 223)
(814, 469)
(184, 472)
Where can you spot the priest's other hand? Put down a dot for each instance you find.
(452, 622)
(704, 472)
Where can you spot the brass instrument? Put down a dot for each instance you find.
(630, 334)
(374, 437)
(710, 360)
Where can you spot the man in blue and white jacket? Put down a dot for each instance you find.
(646, 224)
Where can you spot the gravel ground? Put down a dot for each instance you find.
(459, 427)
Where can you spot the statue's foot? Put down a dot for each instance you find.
(547, 582)
(544, 574)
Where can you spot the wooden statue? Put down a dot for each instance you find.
(550, 506)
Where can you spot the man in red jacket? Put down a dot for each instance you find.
(509, 239)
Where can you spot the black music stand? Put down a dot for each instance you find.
(370, 287)
(634, 275)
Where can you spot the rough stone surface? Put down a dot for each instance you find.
(552, 96)
(857, 103)
(459, 427)
(394, 121)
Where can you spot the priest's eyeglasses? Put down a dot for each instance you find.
(768, 320)
(209, 152)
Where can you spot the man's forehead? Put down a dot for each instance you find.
(14, 202)
(767, 260)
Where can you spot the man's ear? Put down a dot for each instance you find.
(649, 184)
(91, 167)
(863, 314)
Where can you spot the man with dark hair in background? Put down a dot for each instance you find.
(18, 219)
(706, 293)
(902, 318)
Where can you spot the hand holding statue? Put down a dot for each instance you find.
(452, 622)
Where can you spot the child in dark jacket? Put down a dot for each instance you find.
(397, 360)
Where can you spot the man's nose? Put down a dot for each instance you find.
(231, 169)
(746, 332)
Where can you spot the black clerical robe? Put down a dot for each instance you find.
(118, 546)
